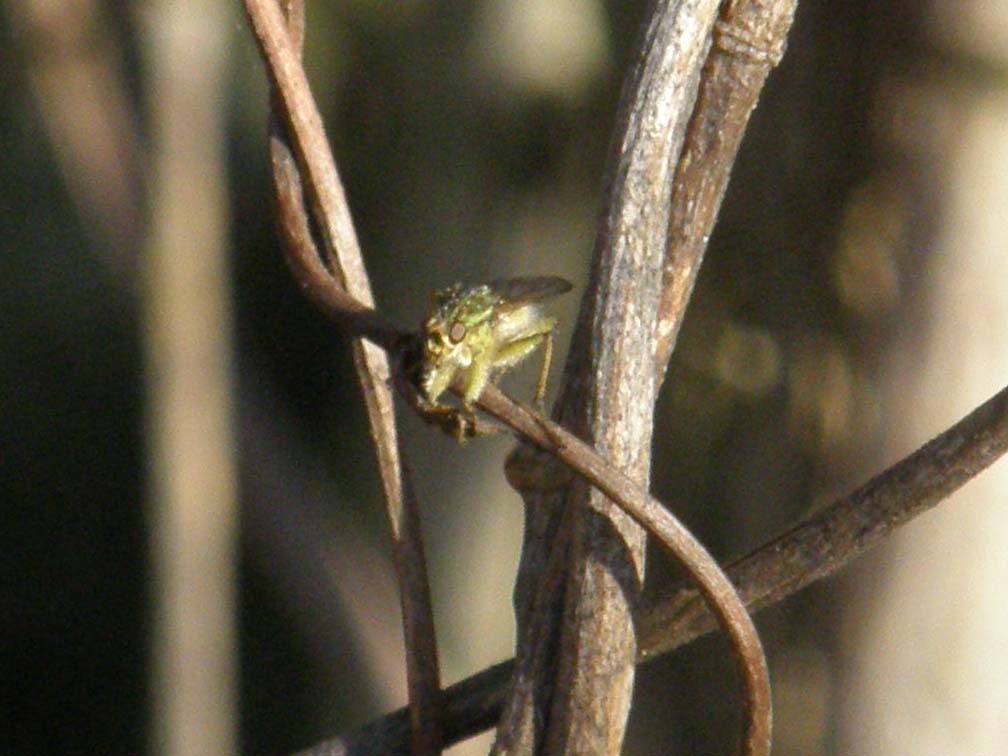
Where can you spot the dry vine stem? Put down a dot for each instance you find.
(748, 40)
(325, 194)
(303, 124)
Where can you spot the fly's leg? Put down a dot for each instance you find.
(540, 393)
(461, 423)
(465, 420)
(475, 381)
(519, 349)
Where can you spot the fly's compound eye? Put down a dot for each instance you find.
(457, 333)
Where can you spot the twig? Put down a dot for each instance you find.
(471, 706)
(817, 547)
(748, 41)
(820, 544)
(292, 97)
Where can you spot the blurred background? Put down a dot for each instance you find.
(194, 554)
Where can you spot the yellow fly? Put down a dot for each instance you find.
(473, 334)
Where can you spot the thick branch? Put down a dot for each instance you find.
(579, 580)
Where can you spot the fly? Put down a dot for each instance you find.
(473, 334)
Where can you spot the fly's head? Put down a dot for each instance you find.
(455, 334)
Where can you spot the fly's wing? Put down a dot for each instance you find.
(517, 292)
(517, 313)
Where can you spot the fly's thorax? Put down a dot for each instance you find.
(465, 306)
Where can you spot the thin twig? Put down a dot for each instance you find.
(718, 593)
(820, 544)
(306, 134)
(816, 548)
(303, 131)
(748, 42)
